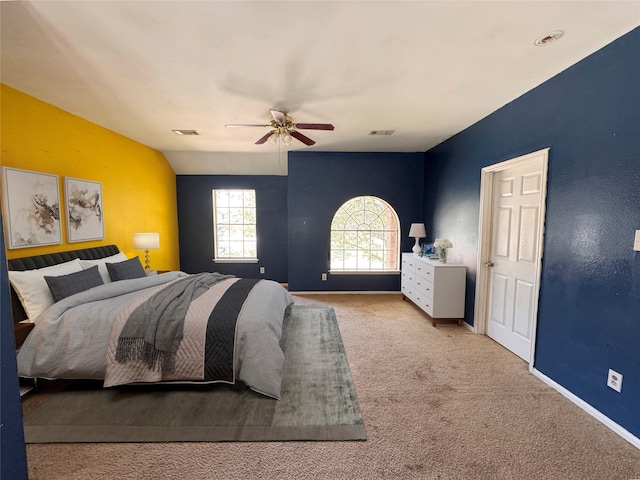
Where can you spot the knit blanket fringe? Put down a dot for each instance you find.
(153, 331)
(139, 349)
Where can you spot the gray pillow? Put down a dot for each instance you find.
(126, 270)
(66, 285)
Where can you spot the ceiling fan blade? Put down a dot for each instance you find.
(278, 116)
(265, 138)
(232, 125)
(304, 139)
(315, 126)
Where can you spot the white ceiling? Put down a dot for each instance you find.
(426, 69)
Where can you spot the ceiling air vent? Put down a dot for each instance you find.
(377, 133)
(185, 132)
(548, 38)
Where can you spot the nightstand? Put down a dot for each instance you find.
(157, 272)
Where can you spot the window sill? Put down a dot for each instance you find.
(235, 260)
(364, 272)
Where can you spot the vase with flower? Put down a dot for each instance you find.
(442, 244)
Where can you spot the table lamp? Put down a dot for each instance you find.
(417, 231)
(146, 241)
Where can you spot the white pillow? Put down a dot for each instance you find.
(32, 288)
(101, 263)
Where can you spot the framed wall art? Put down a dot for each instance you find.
(32, 208)
(83, 203)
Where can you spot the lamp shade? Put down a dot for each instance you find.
(146, 241)
(417, 230)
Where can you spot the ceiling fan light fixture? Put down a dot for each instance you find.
(285, 129)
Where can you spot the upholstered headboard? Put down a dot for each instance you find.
(47, 260)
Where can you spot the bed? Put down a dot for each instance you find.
(98, 315)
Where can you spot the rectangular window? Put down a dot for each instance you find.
(234, 225)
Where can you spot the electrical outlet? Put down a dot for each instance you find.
(324, 277)
(262, 270)
(614, 380)
(636, 242)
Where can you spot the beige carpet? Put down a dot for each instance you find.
(438, 403)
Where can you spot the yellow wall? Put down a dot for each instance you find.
(138, 184)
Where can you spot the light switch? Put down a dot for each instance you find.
(636, 243)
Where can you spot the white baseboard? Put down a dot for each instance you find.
(628, 436)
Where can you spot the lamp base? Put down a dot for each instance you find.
(147, 266)
(417, 248)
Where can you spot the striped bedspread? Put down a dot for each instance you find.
(78, 336)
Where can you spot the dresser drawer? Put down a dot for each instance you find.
(408, 264)
(425, 271)
(424, 303)
(423, 287)
(408, 278)
(407, 283)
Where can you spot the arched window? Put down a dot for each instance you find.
(365, 236)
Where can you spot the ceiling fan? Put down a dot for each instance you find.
(285, 128)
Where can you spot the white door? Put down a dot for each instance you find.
(517, 219)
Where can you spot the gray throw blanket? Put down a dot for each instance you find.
(153, 331)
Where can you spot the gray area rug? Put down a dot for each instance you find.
(318, 401)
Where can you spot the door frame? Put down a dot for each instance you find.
(485, 229)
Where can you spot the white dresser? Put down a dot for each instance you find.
(436, 287)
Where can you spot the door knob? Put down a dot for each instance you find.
(489, 264)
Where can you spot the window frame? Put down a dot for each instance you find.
(397, 251)
(216, 241)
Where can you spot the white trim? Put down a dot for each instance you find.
(235, 260)
(484, 248)
(215, 224)
(484, 241)
(364, 272)
(606, 421)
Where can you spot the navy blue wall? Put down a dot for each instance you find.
(12, 449)
(319, 183)
(195, 223)
(589, 310)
